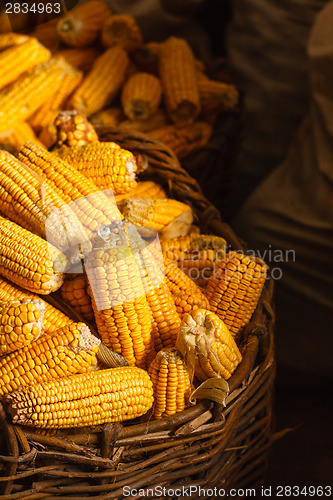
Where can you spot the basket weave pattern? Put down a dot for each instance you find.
(207, 445)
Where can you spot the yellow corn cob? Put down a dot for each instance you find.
(178, 74)
(21, 58)
(31, 202)
(102, 83)
(21, 322)
(196, 255)
(81, 58)
(48, 135)
(50, 109)
(53, 318)
(120, 307)
(21, 133)
(171, 383)
(216, 96)
(28, 260)
(9, 39)
(81, 26)
(184, 139)
(73, 129)
(106, 164)
(141, 96)
(166, 320)
(89, 204)
(207, 346)
(163, 214)
(234, 289)
(47, 34)
(21, 99)
(74, 292)
(112, 395)
(157, 120)
(121, 30)
(189, 301)
(147, 56)
(111, 117)
(145, 189)
(69, 350)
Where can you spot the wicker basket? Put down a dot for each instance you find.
(207, 446)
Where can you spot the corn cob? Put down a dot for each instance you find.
(171, 383)
(21, 99)
(234, 289)
(90, 205)
(106, 164)
(157, 120)
(81, 26)
(9, 39)
(111, 117)
(53, 318)
(147, 56)
(145, 189)
(120, 307)
(48, 136)
(50, 109)
(141, 96)
(184, 139)
(21, 133)
(81, 58)
(207, 346)
(163, 214)
(74, 292)
(102, 83)
(29, 201)
(21, 58)
(178, 74)
(121, 30)
(112, 395)
(216, 96)
(21, 322)
(47, 34)
(186, 302)
(73, 129)
(69, 350)
(28, 260)
(166, 320)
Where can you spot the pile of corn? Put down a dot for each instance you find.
(97, 62)
(78, 225)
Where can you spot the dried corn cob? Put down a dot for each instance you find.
(166, 320)
(207, 346)
(102, 83)
(163, 214)
(21, 58)
(111, 117)
(28, 260)
(49, 110)
(141, 96)
(106, 164)
(157, 120)
(112, 395)
(146, 57)
(120, 307)
(48, 135)
(53, 318)
(21, 99)
(28, 200)
(145, 189)
(184, 139)
(89, 204)
(21, 322)
(73, 129)
(74, 292)
(69, 350)
(121, 30)
(9, 39)
(186, 302)
(81, 26)
(47, 34)
(171, 383)
(21, 133)
(81, 58)
(178, 74)
(234, 289)
(217, 96)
